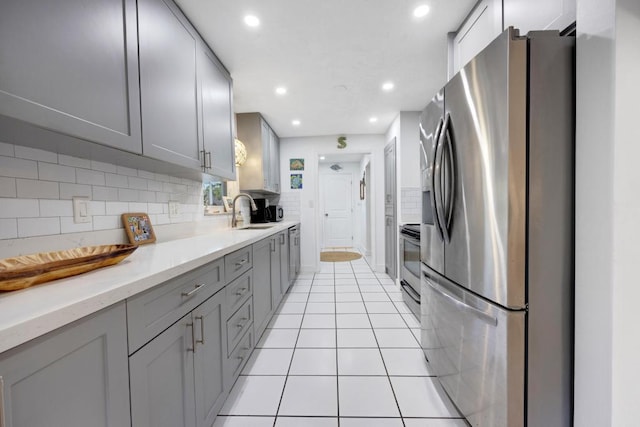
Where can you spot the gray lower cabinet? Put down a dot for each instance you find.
(74, 376)
(262, 300)
(177, 379)
(72, 68)
(168, 84)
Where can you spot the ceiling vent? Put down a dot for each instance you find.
(336, 167)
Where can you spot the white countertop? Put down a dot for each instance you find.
(32, 312)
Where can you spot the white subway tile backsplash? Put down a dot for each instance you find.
(68, 226)
(8, 228)
(34, 189)
(35, 154)
(155, 208)
(162, 219)
(146, 175)
(138, 207)
(116, 208)
(54, 172)
(76, 162)
(8, 187)
(97, 208)
(105, 193)
(29, 227)
(86, 176)
(155, 186)
(138, 183)
(6, 150)
(163, 197)
(18, 168)
(147, 196)
(127, 195)
(68, 191)
(51, 208)
(104, 167)
(119, 181)
(121, 170)
(19, 208)
(106, 222)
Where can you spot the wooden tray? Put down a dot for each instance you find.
(28, 270)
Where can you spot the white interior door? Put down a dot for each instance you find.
(337, 205)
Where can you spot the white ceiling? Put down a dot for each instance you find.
(332, 56)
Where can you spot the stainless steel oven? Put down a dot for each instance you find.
(410, 266)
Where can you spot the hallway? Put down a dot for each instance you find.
(342, 350)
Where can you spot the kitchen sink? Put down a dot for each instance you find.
(256, 227)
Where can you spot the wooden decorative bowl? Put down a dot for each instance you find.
(28, 270)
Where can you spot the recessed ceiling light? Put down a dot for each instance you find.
(295, 122)
(251, 20)
(322, 157)
(281, 90)
(387, 86)
(421, 11)
(373, 119)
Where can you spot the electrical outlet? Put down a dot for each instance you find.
(174, 209)
(81, 212)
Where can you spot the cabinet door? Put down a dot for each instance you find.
(168, 84)
(283, 240)
(276, 287)
(75, 376)
(482, 25)
(261, 284)
(209, 358)
(162, 383)
(274, 165)
(539, 15)
(217, 115)
(266, 156)
(72, 67)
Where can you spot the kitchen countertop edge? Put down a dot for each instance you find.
(30, 313)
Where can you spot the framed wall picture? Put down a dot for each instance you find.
(138, 228)
(296, 164)
(296, 181)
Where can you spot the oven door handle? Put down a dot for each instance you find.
(409, 290)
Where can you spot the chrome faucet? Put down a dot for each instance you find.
(254, 208)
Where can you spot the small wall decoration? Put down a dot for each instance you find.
(138, 228)
(296, 164)
(228, 203)
(342, 142)
(296, 181)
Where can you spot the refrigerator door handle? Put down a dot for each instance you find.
(437, 182)
(435, 189)
(451, 181)
(490, 320)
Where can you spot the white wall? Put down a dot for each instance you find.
(309, 148)
(607, 372)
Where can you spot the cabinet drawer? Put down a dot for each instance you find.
(238, 291)
(238, 324)
(153, 311)
(238, 358)
(237, 263)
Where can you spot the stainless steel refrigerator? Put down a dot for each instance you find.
(497, 233)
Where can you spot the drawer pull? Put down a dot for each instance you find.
(241, 262)
(201, 340)
(196, 289)
(241, 291)
(2, 420)
(193, 338)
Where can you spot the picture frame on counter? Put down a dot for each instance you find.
(138, 228)
(227, 201)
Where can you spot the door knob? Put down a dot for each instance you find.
(326, 214)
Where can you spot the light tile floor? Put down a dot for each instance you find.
(341, 350)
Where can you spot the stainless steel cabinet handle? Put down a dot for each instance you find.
(243, 321)
(203, 156)
(241, 291)
(208, 160)
(272, 245)
(193, 338)
(282, 239)
(196, 289)
(241, 263)
(201, 340)
(2, 420)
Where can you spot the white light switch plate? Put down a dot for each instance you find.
(81, 212)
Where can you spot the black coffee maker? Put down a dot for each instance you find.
(262, 214)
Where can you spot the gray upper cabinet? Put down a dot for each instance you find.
(168, 84)
(216, 97)
(263, 154)
(72, 67)
(74, 376)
